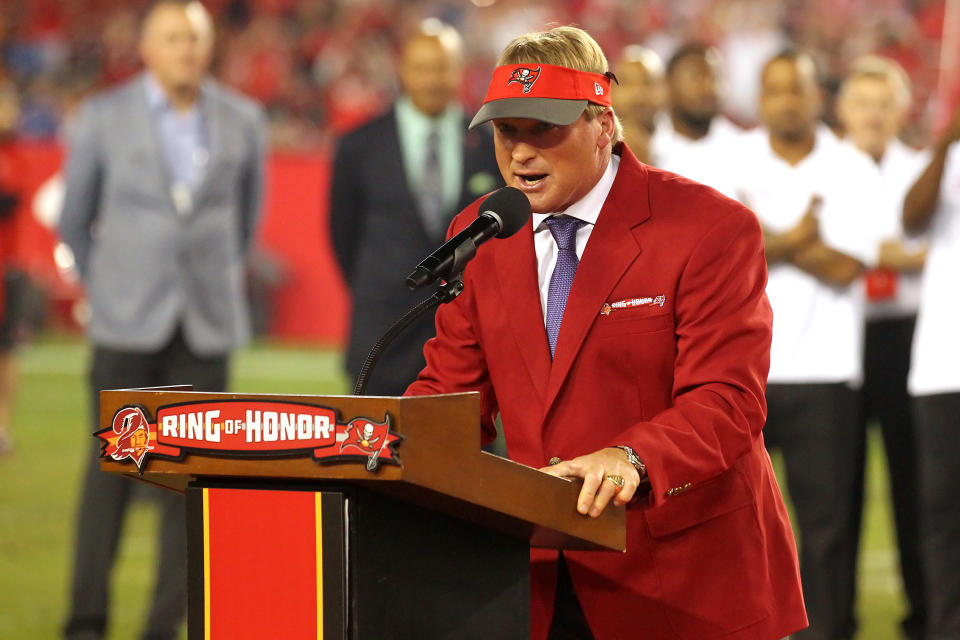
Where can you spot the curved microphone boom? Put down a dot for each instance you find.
(502, 214)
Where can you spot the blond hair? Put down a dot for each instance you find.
(565, 47)
(880, 68)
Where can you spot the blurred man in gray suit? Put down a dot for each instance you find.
(164, 183)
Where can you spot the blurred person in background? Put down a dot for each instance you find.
(872, 106)
(13, 203)
(933, 204)
(164, 182)
(815, 198)
(638, 96)
(694, 138)
(397, 183)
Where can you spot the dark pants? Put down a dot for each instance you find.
(105, 498)
(938, 444)
(568, 622)
(815, 427)
(884, 398)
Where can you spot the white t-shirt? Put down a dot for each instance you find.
(935, 366)
(587, 209)
(817, 328)
(899, 169)
(705, 160)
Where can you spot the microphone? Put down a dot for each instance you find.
(502, 214)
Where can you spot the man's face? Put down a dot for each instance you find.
(553, 165)
(790, 98)
(639, 94)
(693, 88)
(871, 113)
(430, 75)
(176, 45)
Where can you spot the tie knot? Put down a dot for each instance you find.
(564, 230)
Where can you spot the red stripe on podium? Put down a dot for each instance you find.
(263, 564)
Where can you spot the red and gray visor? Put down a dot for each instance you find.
(545, 92)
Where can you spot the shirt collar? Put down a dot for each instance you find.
(157, 98)
(588, 207)
(452, 114)
(824, 140)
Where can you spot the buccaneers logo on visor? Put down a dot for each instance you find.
(524, 76)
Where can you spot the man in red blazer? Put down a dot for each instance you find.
(643, 375)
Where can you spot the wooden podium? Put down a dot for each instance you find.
(346, 517)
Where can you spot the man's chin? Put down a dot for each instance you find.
(539, 203)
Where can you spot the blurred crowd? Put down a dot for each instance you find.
(322, 67)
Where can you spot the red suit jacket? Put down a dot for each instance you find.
(710, 552)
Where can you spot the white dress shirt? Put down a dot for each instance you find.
(899, 169)
(587, 209)
(705, 160)
(935, 365)
(817, 327)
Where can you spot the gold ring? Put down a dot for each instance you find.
(617, 480)
(555, 460)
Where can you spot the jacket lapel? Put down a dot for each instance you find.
(143, 115)
(612, 248)
(213, 121)
(516, 273)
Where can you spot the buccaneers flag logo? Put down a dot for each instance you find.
(132, 436)
(524, 76)
(371, 439)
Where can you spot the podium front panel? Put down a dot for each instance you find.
(266, 564)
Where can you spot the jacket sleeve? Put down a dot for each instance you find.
(346, 206)
(84, 174)
(724, 325)
(455, 360)
(254, 179)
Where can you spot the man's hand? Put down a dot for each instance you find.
(894, 255)
(808, 229)
(782, 247)
(952, 132)
(597, 490)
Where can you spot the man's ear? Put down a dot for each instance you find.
(608, 127)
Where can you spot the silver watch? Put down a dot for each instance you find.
(633, 459)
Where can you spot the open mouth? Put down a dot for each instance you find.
(532, 179)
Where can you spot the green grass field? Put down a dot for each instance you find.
(39, 489)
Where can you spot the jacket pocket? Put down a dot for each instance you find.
(709, 500)
(631, 323)
(710, 556)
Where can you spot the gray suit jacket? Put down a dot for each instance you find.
(148, 270)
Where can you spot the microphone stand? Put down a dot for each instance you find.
(446, 292)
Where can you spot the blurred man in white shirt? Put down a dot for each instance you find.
(693, 139)
(814, 196)
(933, 204)
(873, 103)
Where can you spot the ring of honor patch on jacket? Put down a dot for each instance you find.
(610, 307)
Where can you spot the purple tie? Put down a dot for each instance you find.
(564, 230)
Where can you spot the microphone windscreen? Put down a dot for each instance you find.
(511, 206)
